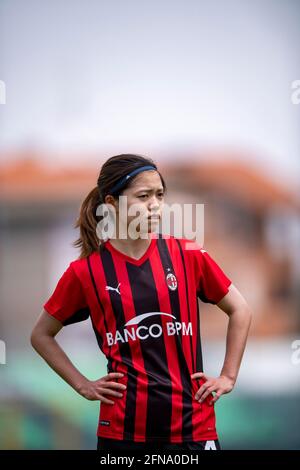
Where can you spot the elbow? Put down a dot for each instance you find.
(43, 331)
(247, 310)
(246, 313)
(243, 313)
(33, 339)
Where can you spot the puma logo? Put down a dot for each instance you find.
(114, 288)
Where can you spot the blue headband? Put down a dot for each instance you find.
(124, 180)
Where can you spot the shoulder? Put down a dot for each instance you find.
(186, 247)
(80, 266)
(185, 244)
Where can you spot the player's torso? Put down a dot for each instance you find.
(141, 308)
(145, 315)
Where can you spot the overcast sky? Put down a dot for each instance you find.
(152, 76)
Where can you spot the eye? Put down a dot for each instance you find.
(142, 196)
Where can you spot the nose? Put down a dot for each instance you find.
(154, 204)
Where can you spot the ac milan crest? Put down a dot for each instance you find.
(171, 281)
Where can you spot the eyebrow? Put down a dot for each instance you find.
(149, 190)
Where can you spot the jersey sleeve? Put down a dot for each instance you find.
(212, 282)
(67, 302)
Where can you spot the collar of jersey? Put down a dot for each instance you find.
(139, 261)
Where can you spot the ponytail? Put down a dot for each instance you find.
(88, 241)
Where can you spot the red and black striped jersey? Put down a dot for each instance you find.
(145, 314)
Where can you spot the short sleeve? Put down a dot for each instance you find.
(67, 302)
(213, 283)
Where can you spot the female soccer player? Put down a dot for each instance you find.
(141, 293)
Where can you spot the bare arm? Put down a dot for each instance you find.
(239, 314)
(43, 341)
(235, 306)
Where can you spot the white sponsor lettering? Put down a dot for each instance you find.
(143, 332)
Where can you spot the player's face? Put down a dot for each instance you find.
(145, 195)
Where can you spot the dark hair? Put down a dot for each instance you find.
(111, 172)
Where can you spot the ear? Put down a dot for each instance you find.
(109, 199)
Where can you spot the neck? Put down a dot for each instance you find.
(133, 248)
